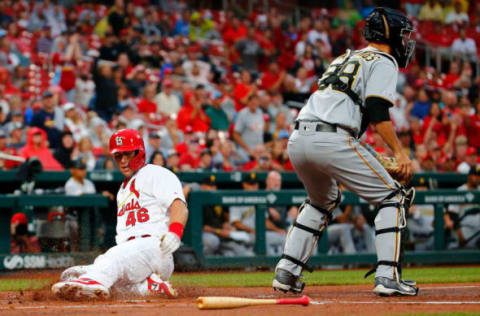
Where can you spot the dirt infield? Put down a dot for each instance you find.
(331, 300)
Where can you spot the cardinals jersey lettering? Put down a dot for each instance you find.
(369, 73)
(143, 202)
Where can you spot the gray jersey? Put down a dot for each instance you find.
(369, 73)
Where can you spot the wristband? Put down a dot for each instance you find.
(218, 231)
(176, 228)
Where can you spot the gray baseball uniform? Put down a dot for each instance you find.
(325, 151)
(369, 73)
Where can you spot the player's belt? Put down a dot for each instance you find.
(319, 127)
(143, 236)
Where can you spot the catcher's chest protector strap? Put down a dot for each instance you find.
(385, 263)
(337, 84)
(298, 262)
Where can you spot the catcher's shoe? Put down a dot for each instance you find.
(73, 273)
(285, 281)
(161, 287)
(409, 282)
(80, 289)
(389, 287)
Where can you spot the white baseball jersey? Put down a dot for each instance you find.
(369, 73)
(143, 202)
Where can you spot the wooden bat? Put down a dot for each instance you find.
(213, 302)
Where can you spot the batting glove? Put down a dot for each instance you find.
(169, 242)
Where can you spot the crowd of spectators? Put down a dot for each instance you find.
(215, 89)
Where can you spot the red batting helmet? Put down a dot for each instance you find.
(129, 140)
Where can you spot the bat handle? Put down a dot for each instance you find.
(304, 300)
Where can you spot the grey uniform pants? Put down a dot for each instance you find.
(322, 160)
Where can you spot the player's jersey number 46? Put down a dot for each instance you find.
(140, 216)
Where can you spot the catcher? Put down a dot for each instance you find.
(356, 90)
(151, 216)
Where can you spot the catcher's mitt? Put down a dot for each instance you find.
(390, 164)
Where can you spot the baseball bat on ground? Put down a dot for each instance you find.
(213, 302)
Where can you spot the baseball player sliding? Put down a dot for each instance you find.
(151, 216)
(356, 90)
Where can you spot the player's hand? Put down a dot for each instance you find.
(169, 242)
(404, 165)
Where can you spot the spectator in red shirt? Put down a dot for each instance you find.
(234, 31)
(453, 75)
(243, 90)
(147, 104)
(7, 81)
(438, 36)
(192, 114)
(286, 59)
(272, 80)
(472, 124)
(262, 161)
(37, 147)
(436, 125)
(189, 155)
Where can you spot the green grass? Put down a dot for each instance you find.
(255, 279)
(24, 284)
(327, 277)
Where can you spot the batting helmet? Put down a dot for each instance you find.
(129, 140)
(391, 27)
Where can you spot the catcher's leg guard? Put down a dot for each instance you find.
(301, 241)
(390, 224)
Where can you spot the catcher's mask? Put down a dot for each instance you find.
(392, 27)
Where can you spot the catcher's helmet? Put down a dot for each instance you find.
(391, 27)
(129, 140)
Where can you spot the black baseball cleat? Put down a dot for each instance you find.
(389, 287)
(287, 282)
